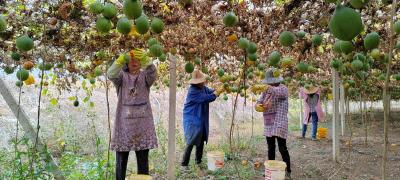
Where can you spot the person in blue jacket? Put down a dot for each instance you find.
(195, 117)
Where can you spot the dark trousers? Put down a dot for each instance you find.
(314, 119)
(142, 158)
(199, 150)
(188, 151)
(282, 149)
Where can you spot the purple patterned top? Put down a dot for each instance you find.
(276, 123)
(134, 126)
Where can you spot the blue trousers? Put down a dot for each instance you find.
(314, 119)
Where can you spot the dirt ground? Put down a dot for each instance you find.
(313, 159)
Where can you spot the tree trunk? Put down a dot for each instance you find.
(335, 122)
(30, 132)
(171, 122)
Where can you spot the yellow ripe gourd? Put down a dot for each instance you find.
(250, 63)
(30, 80)
(330, 96)
(232, 38)
(133, 32)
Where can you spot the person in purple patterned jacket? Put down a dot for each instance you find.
(275, 103)
(134, 126)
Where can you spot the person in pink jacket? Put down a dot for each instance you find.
(312, 109)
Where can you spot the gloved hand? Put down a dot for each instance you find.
(259, 108)
(219, 91)
(120, 60)
(127, 58)
(141, 55)
(265, 88)
(146, 61)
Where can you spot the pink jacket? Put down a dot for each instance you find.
(318, 108)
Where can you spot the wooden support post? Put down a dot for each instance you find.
(171, 122)
(386, 95)
(30, 132)
(301, 112)
(386, 110)
(347, 105)
(326, 110)
(335, 122)
(342, 108)
(389, 106)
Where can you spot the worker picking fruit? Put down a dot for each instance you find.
(274, 105)
(134, 130)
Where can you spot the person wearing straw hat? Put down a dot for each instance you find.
(274, 101)
(134, 128)
(196, 117)
(312, 109)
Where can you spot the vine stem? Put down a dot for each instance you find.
(19, 105)
(38, 120)
(109, 125)
(16, 133)
(233, 118)
(244, 79)
(39, 101)
(231, 132)
(252, 120)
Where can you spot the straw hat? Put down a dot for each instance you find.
(311, 90)
(270, 78)
(197, 77)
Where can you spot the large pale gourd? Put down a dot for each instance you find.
(345, 23)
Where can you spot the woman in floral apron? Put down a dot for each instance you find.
(134, 126)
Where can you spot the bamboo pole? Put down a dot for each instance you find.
(335, 122)
(171, 122)
(347, 105)
(326, 110)
(23, 119)
(386, 96)
(386, 109)
(301, 112)
(365, 120)
(342, 108)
